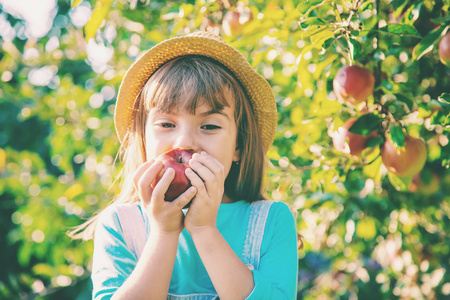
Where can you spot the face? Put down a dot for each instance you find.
(212, 132)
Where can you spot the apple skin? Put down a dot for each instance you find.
(353, 84)
(355, 144)
(177, 159)
(404, 161)
(421, 187)
(444, 49)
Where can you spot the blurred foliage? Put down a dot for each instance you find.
(365, 234)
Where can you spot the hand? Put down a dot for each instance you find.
(166, 217)
(208, 177)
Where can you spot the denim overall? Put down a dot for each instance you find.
(259, 210)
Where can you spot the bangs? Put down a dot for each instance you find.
(187, 83)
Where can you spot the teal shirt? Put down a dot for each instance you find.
(276, 277)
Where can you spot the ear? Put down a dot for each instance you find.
(237, 155)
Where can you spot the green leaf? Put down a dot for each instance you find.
(319, 39)
(401, 29)
(443, 103)
(426, 45)
(402, 98)
(375, 141)
(44, 270)
(385, 84)
(355, 49)
(306, 5)
(101, 9)
(399, 183)
(312, 21)
(366, 124)
(444, 98)
(435, 105)
(442, 20)
(75, 3)
(397, 135)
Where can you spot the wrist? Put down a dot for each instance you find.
(161, 232)
(203, 230)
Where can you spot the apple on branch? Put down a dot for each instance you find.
(353, 84)
(444, 49)
(426, 187)
(404, 161)
(349, 142)
(177, 159)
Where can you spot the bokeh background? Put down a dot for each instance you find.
(366, 233)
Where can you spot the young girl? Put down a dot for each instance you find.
(195, 93)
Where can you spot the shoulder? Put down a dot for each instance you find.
(279, 215)
(113, 215)
(277, 209)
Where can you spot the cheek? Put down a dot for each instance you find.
(152, 145)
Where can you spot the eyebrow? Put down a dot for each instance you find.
(212, 112)
(203, 114)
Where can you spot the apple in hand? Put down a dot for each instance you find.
(353, 84)
(177, 159)
(444, 49)
(404, 161)
(348, 142)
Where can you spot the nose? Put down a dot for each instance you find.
(186, 139)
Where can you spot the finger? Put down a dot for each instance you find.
(140, 170)
(184, 198)
(196, 181)
(162, 186)
(211, 163)
(144, 183)
(202, 170)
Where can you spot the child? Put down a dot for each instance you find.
(195, 93)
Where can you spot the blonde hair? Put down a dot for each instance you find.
(188, 82)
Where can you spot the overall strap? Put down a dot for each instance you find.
(251, 253)
(133, 228)
(192, 297)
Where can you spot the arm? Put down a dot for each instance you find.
(151, 277)
(230, 276)
(152, 273)
(116, 274)
(276, 277)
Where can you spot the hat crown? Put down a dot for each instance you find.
(205, 34)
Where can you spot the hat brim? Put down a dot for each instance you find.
(257, 88)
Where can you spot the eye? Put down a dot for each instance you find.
(167, 125)
(164, 124)
(210, 127)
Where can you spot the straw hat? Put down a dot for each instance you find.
(199, 43)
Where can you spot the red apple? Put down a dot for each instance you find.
(177, 159)
(404, 161)
(353, 84)
(444, 49)
(348, 142)
(428, 187)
